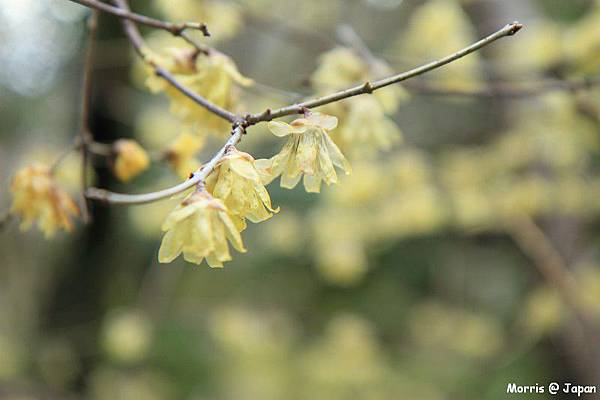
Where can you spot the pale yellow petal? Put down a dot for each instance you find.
(312, 183)
(336, 155)
(280, 129)
(244, 168)
(224, 183)
(171, 246)
(232, 233)
(324, 121)
(289, 180)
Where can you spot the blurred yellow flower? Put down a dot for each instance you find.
(236, 181)
(127, 336)
(543, 312)
(337, 68)
(212, 76)
(36, 196)
(369, 182)
(581, 42)
(245, 332)
(181, 154)
(439, 327)
(342, 262)
(438, 28)
(131, 159)
(527, 195)
(223, 18)
(309, 151)
(341, 67)
(540, 47)
(410, 169)
(199, 227)
(155, 126)
(347, 360)
(339, 238)
(285, 233)
(112, 383)
(364, 128)
(421, 210)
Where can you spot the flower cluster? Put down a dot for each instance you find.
(234, 191)
(238, 183)
(365, 126)
(37, 197)
(199, 228)
(213, 76)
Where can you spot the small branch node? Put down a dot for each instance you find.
(514, 28)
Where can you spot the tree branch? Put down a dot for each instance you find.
(535, 244)
(85, 134)
(198, 177)
(138, 43)
(240, 123)
(506, 89)
(175, 28)
(370, 87)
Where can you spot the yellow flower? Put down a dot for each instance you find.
(131, 159)
(211, 76)
(199, 227)
(309, 151)
(365, 129)
(237, 182)
(181, 154)
(437, 28)
(581, 42)
(37, 197)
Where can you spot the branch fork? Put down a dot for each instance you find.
(241, 122)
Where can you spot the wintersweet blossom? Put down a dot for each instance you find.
(213, 76)
(181, 154)
(131, 159)
(238, 183)
(309, 152)
(199, 228)
(36, 196)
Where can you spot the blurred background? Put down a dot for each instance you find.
(463, 258)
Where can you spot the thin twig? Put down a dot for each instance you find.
(175, 28)
(505, 89)
(85, 134)
(199, 176)
(268, 115)
(370, 87)
(138, 43)
(534, 242)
